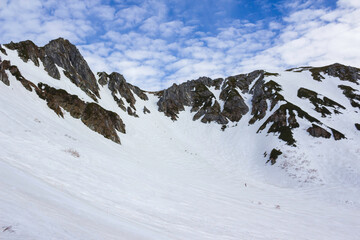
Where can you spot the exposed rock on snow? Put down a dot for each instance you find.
(3, 76)
(62, 53)
(118, 85)
(92, 115)
(317, 131)
(175, 179)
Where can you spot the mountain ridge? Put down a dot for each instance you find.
(226, 108)
(261, 155)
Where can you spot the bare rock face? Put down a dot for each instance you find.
(337, 135)
(3, 76)
(103, 121)
(6, 65)
(234, 104)
(92, 115)
(284, 120)
(261, 93)
(197, 95)
(62, 53)
(2, 50)
(146, 110)
(119, 87)
(322, 104)
(173, 99)
(352, 94)
(317, 131)
(344, 73)
(27, 50)
(275, 153)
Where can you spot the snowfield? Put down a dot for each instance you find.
(172, 180)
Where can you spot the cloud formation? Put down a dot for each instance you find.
(154, 45)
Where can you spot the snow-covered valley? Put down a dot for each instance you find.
(170, 179)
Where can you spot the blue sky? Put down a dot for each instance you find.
(157, 43)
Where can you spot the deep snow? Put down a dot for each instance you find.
(172, 180)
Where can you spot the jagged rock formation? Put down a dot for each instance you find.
(224, 101)
(6, 65)
(118, 85)
(317, 131)
(262, 93)
(321, 104)
(350, 93)
(61, 53)
(344, 73)
(92, 115)
(275, 153)
(197, 95)
(3, 76)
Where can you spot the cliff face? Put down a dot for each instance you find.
(259, 97)
(60, 53)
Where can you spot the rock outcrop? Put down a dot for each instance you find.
(322, 104)
(317, 131)
(92, 115)
(3, 76)
(275, 153)
(222, 101)
(352, 95)
(6, 65)
(197, 95)
(61, 53)
(344, 73)
(119, 89)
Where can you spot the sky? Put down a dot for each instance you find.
(155, 43)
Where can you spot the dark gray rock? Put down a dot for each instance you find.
(234, 104)
(145, 110)
(345, 73)
(118, 85)
(283, 120)
(352, 95)
(103, 78)
(196, 94)
(322, 104)
(243, 81)
(275, 153)
(173, 99)
(103, 121)
(6, 65)
(337, 135)
(3, 50)
(3, 76)
(92, 115)
(62, 53)
(211, 114)
(317, 131)
(27, 50)
(261, 93)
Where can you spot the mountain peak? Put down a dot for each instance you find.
(62, 53)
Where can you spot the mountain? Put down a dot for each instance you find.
(261, 155)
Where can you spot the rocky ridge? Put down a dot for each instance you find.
(223, 101)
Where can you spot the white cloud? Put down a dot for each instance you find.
(153, 49)
(349, 3)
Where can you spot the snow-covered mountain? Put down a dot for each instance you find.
(261, 155)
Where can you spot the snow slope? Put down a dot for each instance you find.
(170, 180)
